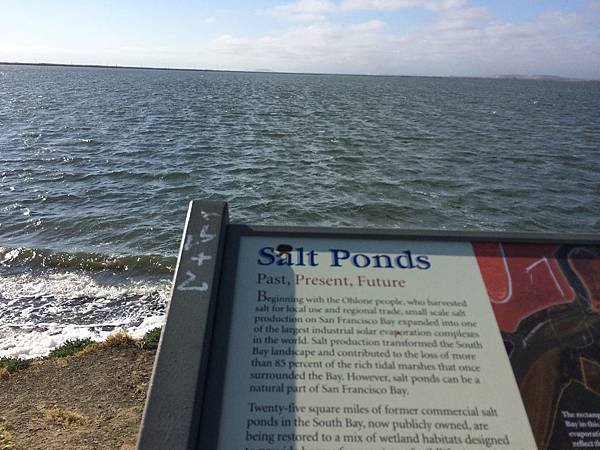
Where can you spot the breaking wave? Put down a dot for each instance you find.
(47, 298)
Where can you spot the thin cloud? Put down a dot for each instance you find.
(302, 10)
(395, 5)
(462, 40)
(458, 38)
(319, 10)
(370, 26)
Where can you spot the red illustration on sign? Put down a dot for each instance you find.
(587, 267)
(521, 279)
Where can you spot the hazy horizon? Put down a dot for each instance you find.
(267, 70)
(468, 38)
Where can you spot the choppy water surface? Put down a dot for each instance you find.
(97, 167)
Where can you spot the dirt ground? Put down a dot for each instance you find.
(89, 401)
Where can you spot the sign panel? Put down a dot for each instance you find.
(354, 344)
(317, 339)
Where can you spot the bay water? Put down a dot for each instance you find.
(97, 166)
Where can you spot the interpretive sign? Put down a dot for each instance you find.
(338, 339)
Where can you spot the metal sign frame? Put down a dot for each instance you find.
(183, 406)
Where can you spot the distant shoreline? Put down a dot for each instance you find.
(265, 71)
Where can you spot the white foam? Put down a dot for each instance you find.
(41, 312)
(23, 343)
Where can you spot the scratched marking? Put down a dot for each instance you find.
(201, 258)
(205, 236)
(191, 282)
(188, 243)
(207, 215)
(186, 285)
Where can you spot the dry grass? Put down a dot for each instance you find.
(64, 417)
(6, 442)
(119, 339)
(92, 348)
(61, 362)
(4, 374)
(87, 402)
(141, 389)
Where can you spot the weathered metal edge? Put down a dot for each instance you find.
(448, 235)
(175, 392)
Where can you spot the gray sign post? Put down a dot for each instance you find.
(176, 388)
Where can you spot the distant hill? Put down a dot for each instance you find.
(537, 77)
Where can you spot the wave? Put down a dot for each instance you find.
(49, 297)
(33, 258)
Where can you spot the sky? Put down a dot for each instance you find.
(387, 37)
